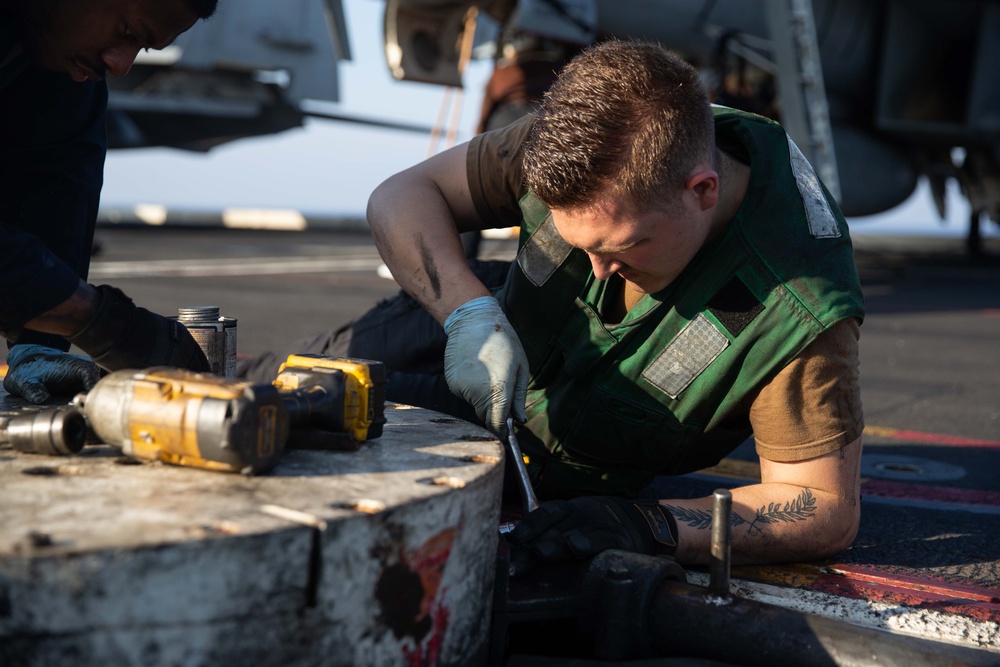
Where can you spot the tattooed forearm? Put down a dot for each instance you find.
(700, 519)
(800, 509)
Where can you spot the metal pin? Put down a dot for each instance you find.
(722, 505)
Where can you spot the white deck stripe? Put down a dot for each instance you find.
(236, 266)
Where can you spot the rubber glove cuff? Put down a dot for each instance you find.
(485, 364)
(482, 304)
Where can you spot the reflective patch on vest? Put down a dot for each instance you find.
(822, 223)
(544, 251)
(694, 348)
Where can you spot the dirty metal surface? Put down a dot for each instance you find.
(382, 556)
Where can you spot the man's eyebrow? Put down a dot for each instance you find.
(603, 249)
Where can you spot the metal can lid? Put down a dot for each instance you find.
(196, 314)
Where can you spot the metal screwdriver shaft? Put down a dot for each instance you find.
(528, 496)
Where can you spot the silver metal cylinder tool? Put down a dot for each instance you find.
(55, 431)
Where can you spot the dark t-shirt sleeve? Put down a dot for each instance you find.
(813, 406)
(495, 177)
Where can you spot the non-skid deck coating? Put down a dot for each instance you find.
(925, 562)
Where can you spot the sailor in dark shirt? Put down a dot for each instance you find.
(54, 55)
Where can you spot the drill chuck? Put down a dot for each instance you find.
(315, 405)
(58, 431)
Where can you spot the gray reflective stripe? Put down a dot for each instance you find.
(822, 223)
(694, 348)
(544, 251)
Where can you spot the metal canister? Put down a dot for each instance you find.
(215, 334)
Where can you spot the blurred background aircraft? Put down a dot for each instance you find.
(257, 67)
(881, 94)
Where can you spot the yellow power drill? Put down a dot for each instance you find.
(223, 424)
(354, 390)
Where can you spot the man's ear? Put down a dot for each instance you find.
(705, 185)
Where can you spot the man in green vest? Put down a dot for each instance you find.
(683, 281)
(54, 55)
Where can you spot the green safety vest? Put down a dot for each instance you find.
(668, 390)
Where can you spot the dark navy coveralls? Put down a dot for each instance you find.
(52, 149)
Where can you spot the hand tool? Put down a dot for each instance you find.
(354, 401)
(223, 424)
(189, 419)
(59, 431)
(528, 497)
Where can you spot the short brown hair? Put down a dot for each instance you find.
(624, 119)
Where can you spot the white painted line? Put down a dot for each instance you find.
(166, 56)
(263, 218)
(913, 621)
(235, 266)
(502, 234)
(151, 214)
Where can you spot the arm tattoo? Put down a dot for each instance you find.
(700, 519)
(800, 509)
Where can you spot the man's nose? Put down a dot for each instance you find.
(604, 267)
(119, 59)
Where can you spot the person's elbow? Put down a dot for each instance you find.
(377, 202)
(841, 529)
(851, 524)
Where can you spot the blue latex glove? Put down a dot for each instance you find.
(36, 372)
(484, 362)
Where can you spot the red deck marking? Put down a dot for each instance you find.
(941, 587)
(874, 584)
(932, 438)
(902, 596)
(943, 494)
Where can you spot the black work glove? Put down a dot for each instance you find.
(122, 335)
(585, 526)
(36, 372)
